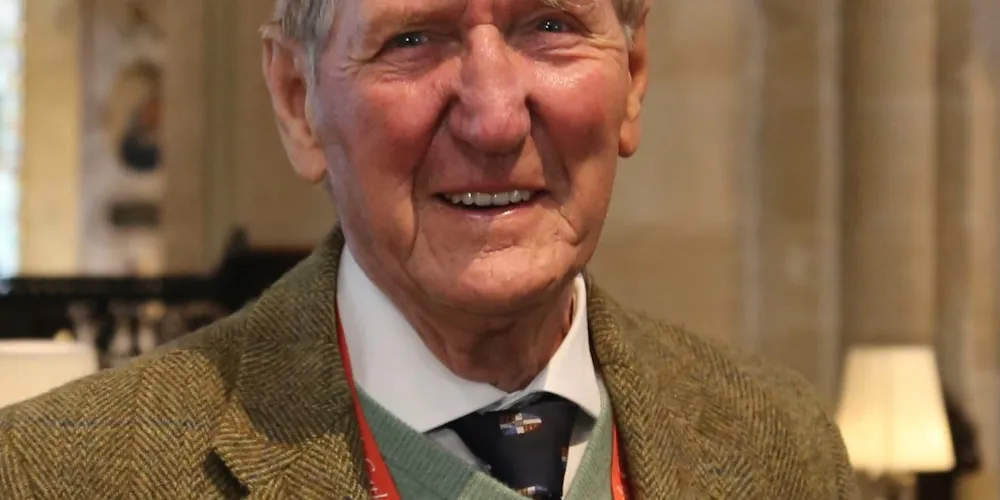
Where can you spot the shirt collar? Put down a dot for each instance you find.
(394, 367)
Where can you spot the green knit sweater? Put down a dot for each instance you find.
(423, 470)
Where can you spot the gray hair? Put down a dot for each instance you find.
(308, 22)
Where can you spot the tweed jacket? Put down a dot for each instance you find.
(257, 406)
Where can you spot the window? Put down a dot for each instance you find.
(10, 131)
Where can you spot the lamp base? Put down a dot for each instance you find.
(895, 487)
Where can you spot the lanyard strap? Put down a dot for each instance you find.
(382, 486)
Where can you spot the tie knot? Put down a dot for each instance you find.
(526, 446)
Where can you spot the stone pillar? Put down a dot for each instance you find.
(274, 205)
(226, 168)
(50, 170)
(890, 170)
(968, 246)
(672, 242)
(955, 169)
(791, 193)
(184, 142)
(222, 172)
(969, 322)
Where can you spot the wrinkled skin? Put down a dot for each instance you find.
(416, 99)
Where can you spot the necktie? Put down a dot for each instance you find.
(524, 447)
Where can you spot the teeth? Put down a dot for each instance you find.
(490, 199)
(501, 199)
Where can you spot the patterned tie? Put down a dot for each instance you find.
(524, 447)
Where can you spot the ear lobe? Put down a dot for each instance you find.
(638, 62)
(287, 83)
(628, 140)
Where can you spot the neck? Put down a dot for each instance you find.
(506, 352)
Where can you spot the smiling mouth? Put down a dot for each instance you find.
(487, 201)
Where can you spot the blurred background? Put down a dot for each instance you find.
(815, 175)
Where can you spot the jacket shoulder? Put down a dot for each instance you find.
(159, 411)
(727, 371)
(747, 410)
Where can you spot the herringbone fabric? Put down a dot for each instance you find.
(257, 406)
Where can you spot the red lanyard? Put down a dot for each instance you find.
(382, 485)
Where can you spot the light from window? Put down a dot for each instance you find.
(10, 131)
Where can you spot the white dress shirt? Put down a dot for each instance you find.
(394, 367)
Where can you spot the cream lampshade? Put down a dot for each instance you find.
(29, 368)
(892, 413)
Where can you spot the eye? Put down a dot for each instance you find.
(553, 26)
(408, 40)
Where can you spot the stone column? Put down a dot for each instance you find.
(672, 242)
(226, 168)
(184, 130)
(791, 193)
(274, 205)
(968, 245)
(969, 254)
(50, 169)
(955, 169)
(890, 170)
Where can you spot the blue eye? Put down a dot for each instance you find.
(552, 26)
(408, 40)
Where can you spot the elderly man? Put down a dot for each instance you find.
(445, 343)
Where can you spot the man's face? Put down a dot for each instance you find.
(471, 145)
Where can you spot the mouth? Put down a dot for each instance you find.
(491, 202)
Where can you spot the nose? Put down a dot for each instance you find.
(491, 114)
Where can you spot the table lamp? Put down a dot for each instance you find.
(892, 415)
(29, 368)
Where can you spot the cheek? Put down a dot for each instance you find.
(582, 112)
(392, 129)
(581, 119)
(375, 140)
(401, 116)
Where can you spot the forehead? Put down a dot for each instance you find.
(362, 25)
(369, 10)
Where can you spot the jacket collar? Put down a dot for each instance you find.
(288, 428)
(657, 405)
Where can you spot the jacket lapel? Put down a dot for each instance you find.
(288, 429)
(657, 404)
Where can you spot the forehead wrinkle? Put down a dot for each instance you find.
(564, 5)
(382, 19)
(569, 4)
(405, 11)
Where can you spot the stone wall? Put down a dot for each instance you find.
(225, 164)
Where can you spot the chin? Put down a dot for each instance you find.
(495, 292)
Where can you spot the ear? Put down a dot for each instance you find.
(285, 71)
(638, 65)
